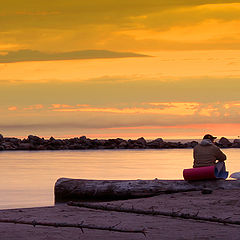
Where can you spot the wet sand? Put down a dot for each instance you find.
(223, 204)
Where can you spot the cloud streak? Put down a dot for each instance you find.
(154, 117)
(34, 107)
(156, 113)
(29, 55)
(180, 109)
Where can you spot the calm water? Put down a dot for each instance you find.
(27, 177)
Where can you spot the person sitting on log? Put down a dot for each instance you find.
(207, 153)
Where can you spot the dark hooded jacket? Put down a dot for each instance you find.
(206, 154)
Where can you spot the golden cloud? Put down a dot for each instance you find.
(152, 118)
(34, 107)
(12, 108)
(161, 108)
(72, 25)
(172, 110)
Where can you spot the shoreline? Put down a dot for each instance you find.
(221, 204)
(84, 143)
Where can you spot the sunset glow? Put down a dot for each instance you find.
(120, 68)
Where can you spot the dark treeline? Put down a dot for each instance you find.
(37, 143)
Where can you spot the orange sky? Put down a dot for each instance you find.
(120, 69)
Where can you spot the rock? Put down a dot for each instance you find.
(56, 142)
(137, 144)
(86, 142)
(193, 144)
(83, 138)
(157, 143)
(141, 141)
(24, 146)
(173, 145)
(12, 140)
(190, 144)
(98, 144)
(111, 143)
(30, 146)
(101, 143)
(123, 144)
(50, 147)
(41, 147)
(76, 146)
(35, 140)
(51, 139)
(130, 143)
(236, 143)
(224, 142)
(159, 140)
(9, 146)
(72, 140)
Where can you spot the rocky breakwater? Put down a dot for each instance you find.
(81, 143)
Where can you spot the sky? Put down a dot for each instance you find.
(120, 68)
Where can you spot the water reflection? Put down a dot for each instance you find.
(27, 177)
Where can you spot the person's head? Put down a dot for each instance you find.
(210, 137)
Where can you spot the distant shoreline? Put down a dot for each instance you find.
(83, 143)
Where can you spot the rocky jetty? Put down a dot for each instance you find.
(81, 143)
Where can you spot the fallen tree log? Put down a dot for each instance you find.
(67, 189)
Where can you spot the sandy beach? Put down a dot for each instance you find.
(224, 204)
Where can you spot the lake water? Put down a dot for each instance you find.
(27, 177)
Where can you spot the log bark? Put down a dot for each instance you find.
(67, 189)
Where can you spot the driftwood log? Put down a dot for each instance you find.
(67, 189)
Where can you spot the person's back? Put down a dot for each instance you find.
(206, 153)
